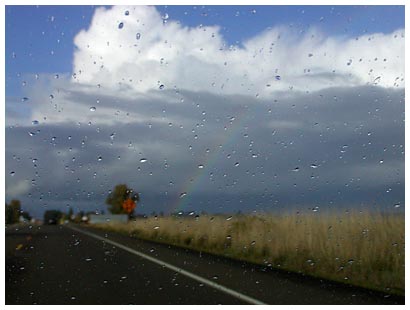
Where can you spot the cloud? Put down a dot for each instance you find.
(17, 189)
(308, 148)
(146, 53)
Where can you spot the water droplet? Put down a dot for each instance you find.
(31, 134)
(152, 250)
(120, 25)
(127, 13)
(215, 277)
(381, 161)
(138, 36)
(143, 160)
(314, 166)
(229, 218)
(296, 169)
(112, 136)
(156, 227)
(397, 205)
(254, 155)
(92, 109)
(236, 164)
(24, 99)
(99, 158)
(88, 259)
(310, 55)
(161, 86)
(12, 173)
(229, 237)
(253, 242)
(200, 166)
(183, 194)
(35, 122)
(277, 77)
(377, 80)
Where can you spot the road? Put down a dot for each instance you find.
(74, 265)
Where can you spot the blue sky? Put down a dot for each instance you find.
(305, 103)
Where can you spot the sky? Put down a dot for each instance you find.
(206, 108)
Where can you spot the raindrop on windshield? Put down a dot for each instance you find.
(377, 80)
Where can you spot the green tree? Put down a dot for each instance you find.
(26, 215)
(70, 214)
(116, 198)
(13, 211)
(52, 216)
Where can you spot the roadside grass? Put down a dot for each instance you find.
(359, 248)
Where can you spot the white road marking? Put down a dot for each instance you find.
(188, 274)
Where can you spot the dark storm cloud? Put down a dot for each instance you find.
(338, 146)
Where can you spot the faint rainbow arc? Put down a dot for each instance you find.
(194, 180)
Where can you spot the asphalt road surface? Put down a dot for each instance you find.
(80, 265)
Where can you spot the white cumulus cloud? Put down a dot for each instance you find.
(138, 52)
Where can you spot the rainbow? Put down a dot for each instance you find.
(194, 180)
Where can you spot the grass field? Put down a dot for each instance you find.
(365, 249)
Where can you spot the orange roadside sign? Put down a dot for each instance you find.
(128, 205)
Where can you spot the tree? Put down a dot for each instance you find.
(52, 216)
(13, 211)
(26, 216)
(70, 214)
(118, 196)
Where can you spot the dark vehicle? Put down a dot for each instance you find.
(52, 217)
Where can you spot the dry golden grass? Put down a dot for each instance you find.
(365, 249)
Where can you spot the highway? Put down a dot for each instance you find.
(72, 264)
